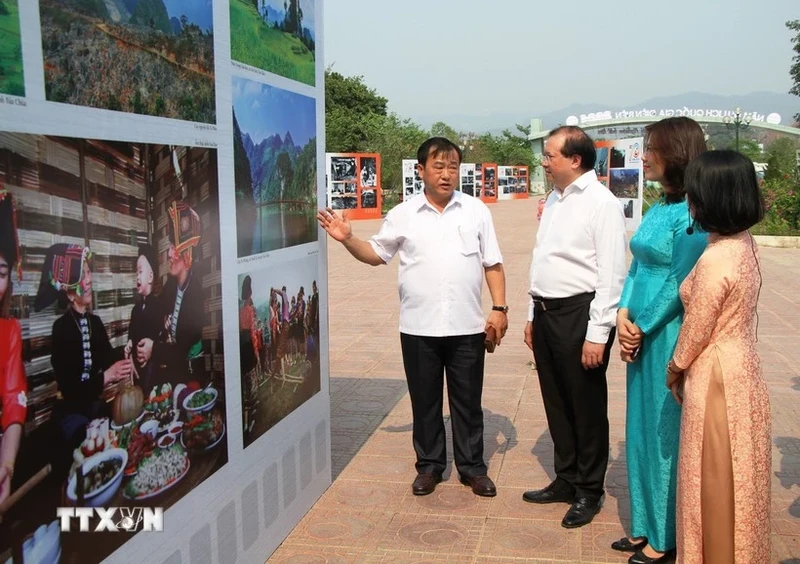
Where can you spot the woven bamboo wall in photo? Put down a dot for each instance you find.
(112, 197)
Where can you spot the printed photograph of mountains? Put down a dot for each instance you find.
(275, 164)
(276, 36)
(152, 57)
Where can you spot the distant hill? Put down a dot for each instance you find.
(266, 170)
(198, 12)
(762, 102)
(153, 14)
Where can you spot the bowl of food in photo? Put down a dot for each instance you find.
(102, 475)
(149, 427)
(175, 429)
(200, 400)
(165, 441)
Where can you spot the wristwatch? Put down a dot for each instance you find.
(503, 308)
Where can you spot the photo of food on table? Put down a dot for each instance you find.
(111, 319)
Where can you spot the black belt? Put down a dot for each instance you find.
(549, 304)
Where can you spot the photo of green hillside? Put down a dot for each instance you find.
(151, 57)
(276, 36)
(12, 79)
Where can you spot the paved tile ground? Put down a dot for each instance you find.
(369, 513)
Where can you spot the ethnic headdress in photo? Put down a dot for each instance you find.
(62, 272)
(184, 229)
(9, 239)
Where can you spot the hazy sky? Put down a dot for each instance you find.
(468, 57)
(263, 110)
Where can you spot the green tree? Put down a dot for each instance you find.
(394, 139)
(781, 189)
(781, 159)
(511, 148)
(441, 129)
(353, 112)
(752, 150)
(794, 70)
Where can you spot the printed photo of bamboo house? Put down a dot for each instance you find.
(115, 288)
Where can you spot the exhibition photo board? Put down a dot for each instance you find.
(486, 182)
(412, 182)
(619, 168)
(512, 182)
(468, 182)
(163, 289)
(353, 183)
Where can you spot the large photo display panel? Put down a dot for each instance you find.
(154, 179)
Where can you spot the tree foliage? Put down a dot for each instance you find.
(751, 149)
(781, 189)
(794, 70)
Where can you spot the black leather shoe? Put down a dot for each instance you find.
(640, 557)
(481, 485)
(625, 545)
(582, 512)
(556, 492)
(424, 484)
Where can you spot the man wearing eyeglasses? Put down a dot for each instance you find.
(577, 273)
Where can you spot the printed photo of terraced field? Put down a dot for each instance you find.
(151, 57)
(12, 79)
(275, 36)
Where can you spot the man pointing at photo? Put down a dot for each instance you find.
(447, 245)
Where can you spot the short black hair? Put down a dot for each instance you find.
(723, 191)
(435, 146)
(577, 142)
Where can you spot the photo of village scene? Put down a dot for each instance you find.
(276, 36)
(275, 167)
(151, 57)
(278, 342)
(12, 79)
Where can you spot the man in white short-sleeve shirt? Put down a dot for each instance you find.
(447, 245)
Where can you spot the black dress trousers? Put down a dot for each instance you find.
(575, 399)
(426, 361)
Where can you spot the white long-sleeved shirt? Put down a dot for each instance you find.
(442, 261)
(580, 248)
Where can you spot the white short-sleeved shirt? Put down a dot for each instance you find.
(442, 261)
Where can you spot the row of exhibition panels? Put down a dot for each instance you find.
(353, 182)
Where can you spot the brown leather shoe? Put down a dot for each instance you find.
(481, 485)
(424, 484)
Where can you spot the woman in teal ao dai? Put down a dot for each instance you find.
(650, 316)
